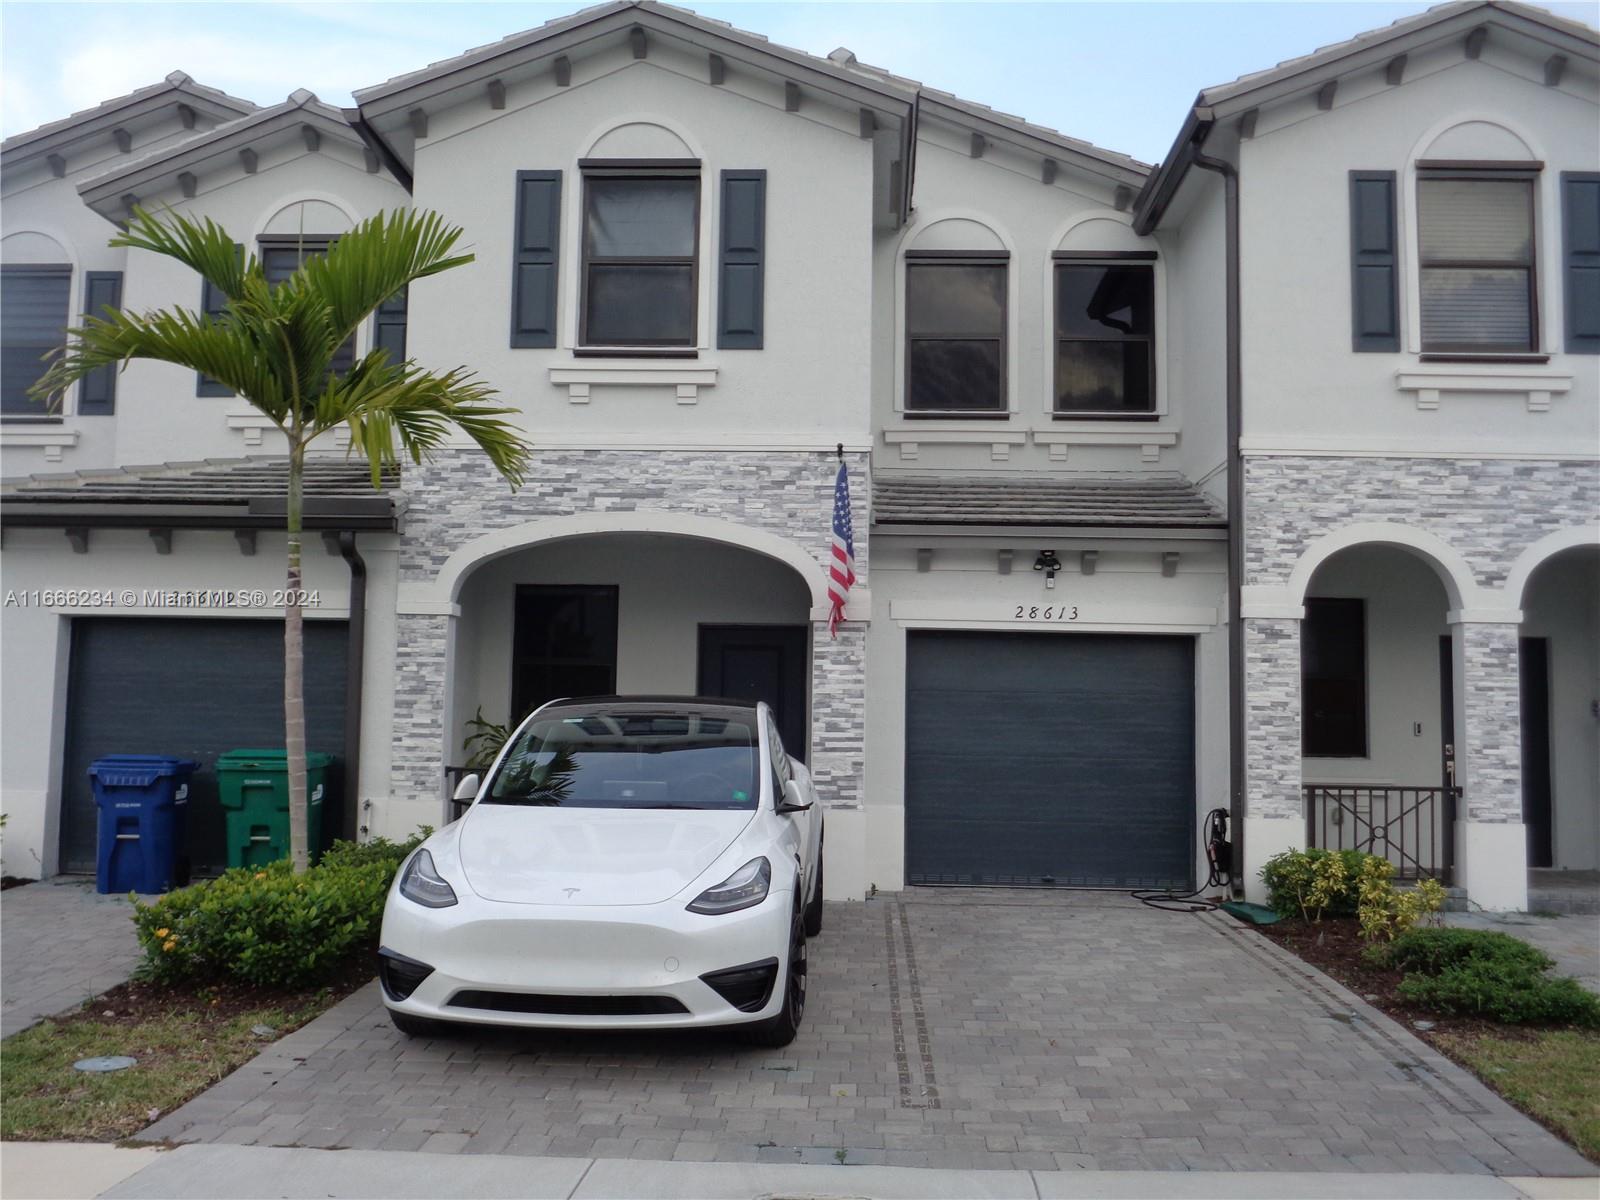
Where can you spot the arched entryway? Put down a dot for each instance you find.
(1378, 735)
(631, 613)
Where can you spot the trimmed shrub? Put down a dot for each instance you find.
(1385, 911)
(1313, 883)
(1431, 951)
(1500, 990)
(269, 927)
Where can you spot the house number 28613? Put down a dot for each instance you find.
(1050, 612)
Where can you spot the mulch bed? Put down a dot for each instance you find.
(1335, 946)
(136, 1001)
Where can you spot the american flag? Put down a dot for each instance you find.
(842, 570)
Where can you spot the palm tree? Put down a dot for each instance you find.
(274, 347)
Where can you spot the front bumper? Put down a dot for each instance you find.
(598, 965)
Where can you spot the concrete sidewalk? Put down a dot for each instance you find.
(47, 1171)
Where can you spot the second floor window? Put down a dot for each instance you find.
(1105, 338)
(281, 258)
(1475, 230)
(33, 324)
(640, 237)
(955, 334)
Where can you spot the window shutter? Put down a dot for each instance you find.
(1580, 219)
(97, 394)
(741, 272)
(212, 302)
(1374, 266)
(389, 326)
(536, 249)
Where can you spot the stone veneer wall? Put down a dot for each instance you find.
(458, 497)
(1489, 511)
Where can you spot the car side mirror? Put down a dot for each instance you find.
(792, 800)
(467, 789)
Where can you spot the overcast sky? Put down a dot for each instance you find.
(1119, 75)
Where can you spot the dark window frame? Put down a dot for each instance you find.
(40, 415)
(1315, 740)
(1001, 411)
(1068, 259)
(688, 169)
(522, 657)
(307, 246)
(1528, 173)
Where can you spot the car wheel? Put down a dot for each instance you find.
(416, 1026)
(814, 909)
(781, 1029)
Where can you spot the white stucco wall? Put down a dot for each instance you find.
(998, 202)
(39, 212)
(1305, 387)
(156, 399)
(1562, 603)
(806, 387)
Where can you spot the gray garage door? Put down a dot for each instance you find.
(193, 688)
(1062, 760)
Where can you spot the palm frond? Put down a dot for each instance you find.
(224, 350)
(377, 259)
(203, 245)
(398, 408)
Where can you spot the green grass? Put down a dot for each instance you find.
(180, 1053)
(1552, 1075)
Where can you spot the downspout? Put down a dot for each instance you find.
(1234, 397)
(354, 667)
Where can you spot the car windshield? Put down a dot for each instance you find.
(631, 760)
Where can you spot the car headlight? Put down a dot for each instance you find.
(422, 884)
(745, 888)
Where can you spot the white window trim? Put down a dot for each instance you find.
(569, 287)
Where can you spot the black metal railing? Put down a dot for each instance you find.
(1413, 827)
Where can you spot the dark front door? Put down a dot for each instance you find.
(760, 662)
(1053, 760)
(564, 644)
(192, 688)
(1535, 676)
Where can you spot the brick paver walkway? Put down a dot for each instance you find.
(985, 1029)
(60, 943)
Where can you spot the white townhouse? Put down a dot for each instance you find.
(708, 270)
(1416, 244)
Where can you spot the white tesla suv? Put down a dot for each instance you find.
(628, 863)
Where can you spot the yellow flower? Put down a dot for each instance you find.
(261, 874)
(161, 933)
(170, 944)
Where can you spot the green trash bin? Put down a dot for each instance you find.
(253, 788)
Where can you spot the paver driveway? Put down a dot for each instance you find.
(62, 943)
(962, 1029)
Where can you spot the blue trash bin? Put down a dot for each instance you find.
(144, 808)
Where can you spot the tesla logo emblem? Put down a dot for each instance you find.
(571, 892)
